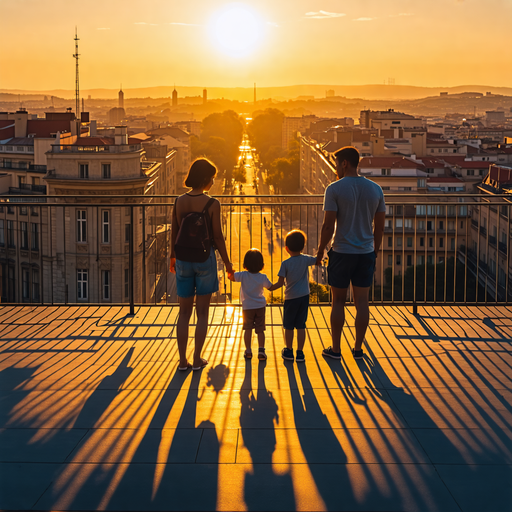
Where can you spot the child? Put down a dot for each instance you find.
(294, 272)
(253, 300)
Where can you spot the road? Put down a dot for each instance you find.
(263, 223)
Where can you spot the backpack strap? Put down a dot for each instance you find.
(208, 204)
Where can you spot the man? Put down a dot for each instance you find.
(352, 204)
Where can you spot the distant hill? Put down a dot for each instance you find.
(369, 92)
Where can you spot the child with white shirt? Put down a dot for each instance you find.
(253, 300)
(294, 274)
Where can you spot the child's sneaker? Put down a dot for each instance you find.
(287, 354)
(358, 354)
(300, 356)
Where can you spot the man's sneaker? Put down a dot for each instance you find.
(299, 357)
(358, 354)
(287, 354)
(329, 352)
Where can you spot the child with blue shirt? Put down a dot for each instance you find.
(294, 274)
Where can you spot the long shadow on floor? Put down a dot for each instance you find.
(264, 489)
(320, 443)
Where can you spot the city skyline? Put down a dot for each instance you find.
(228, 44)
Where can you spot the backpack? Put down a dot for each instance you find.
(194, 240)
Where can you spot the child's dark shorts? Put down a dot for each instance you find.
(296, 313)
(254, 319)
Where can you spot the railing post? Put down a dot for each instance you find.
(130, 264)
(414, 308)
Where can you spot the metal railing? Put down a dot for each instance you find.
(115, 250)
(22, 166)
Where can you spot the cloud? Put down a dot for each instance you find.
(320, 15)
(401, 14)
(103, 28)
(185, 24)
(144, 23)
(364, 19)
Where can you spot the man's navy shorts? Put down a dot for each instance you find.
(295, 313)
(346, 268)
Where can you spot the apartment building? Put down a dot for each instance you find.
(491, 233)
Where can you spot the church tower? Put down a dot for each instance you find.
(175, 97)
(121, 98)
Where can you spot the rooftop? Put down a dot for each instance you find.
(95, 416)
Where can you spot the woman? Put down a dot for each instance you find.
(197, 279)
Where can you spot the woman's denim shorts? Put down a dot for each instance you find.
(197, 278)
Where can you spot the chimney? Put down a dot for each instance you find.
(121, 135)
(20, 123)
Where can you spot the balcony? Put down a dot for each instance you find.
(28, 188)
(95, 414)
(23, 167)
(113, 148)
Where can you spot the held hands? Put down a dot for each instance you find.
(229, 270)
(172, 266)
(319, 258)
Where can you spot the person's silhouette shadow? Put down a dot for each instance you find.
(257, 416)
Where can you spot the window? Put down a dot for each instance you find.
(441, 224)
(81, 225)
(10, 233)
(2, 233)
(451, 225)
(429, 225)
(385, 172)
(24, 235)
(105, 284)
(35, 180)
(21, 181)
(399, 210)
(431, 242)
(388, 223)
(421, 209)
(430, 260)
(421, 224)
(105, 171)
(126, 282)
(421, 260)
(35, 285)
(399, 223)
(441, 242)
(422, 242)
(390, 242)
(422, 183)
(34, 236)
(105, 226)
(470, 172)
(390, 260)
(83, 171)
(451, 211)
(23, 210)
(399, 241)
(409, 241)
(409, 260)
(452, 244)
(82, 291)
(461, 224)
(398, 259)
(127, 233)
(25, 284)
(408, 223)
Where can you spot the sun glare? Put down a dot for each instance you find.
(237, 31)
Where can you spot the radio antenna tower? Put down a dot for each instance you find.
(77, 85)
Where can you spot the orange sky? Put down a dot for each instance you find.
(162, 42)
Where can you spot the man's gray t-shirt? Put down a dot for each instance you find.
(356, 201)
(295, 271)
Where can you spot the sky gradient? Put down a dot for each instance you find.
(345, 42)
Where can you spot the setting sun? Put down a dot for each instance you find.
(237, 31)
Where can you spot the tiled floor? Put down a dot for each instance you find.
(94, 414)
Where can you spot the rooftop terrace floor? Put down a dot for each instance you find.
(94, 414)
